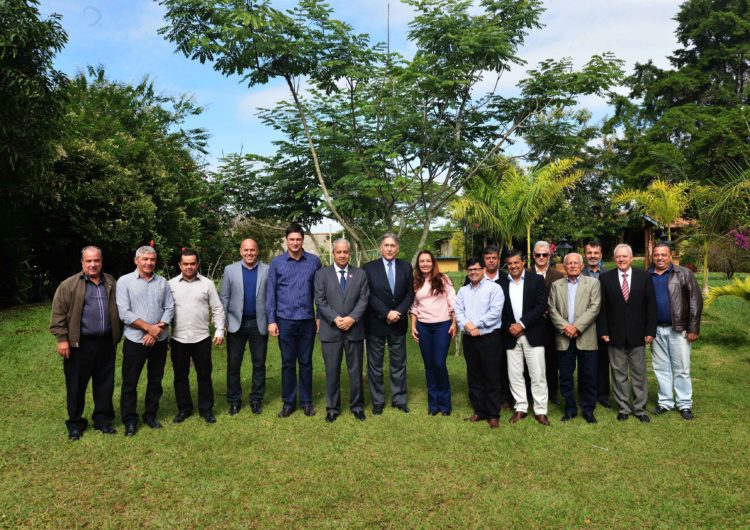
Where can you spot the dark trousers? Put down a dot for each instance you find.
(296, 341)
(434, 342)
(483, 373)
(247, 334)
(94, 359)
(200, 353)
(134, 357)
(332, 356)
(587, 377)
(603, 372)
(552, 369)
(397, 366)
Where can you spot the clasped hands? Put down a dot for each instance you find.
(571, 331)
(153, 332)
(344, 323)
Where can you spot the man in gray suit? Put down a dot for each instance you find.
(243, 295)
(574, 303)
(341, 296)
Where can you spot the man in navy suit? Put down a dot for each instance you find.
(341, 294)
(627, 322)
(391, 295)
(243, 296)
(525, 334)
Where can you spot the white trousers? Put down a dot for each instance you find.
(534, 356)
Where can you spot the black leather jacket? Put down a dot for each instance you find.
(685, 300)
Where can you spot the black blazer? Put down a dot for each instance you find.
(382, 300)
(534, 306)
(627, 323)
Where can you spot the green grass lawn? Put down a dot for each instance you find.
(394, 470)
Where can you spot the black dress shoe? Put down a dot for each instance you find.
(604, 403)
(308, 409)
(105, 429)
(286, 412)
(181, 416)
(446, 413)
(686, 414)
(74, 434)
(256, 407)
(402, 408)
(568, 417)
(377, 410)
(331, 417)
(643, 418)
(589, 417)
(359, 414)
(234, 410)
(621, 416)
(658, 411)
(209, 417)
(152, 422)
(433, 412)
(130, 429)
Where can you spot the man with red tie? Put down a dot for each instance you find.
(627, 322)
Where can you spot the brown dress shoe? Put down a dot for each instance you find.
(474, 418)
(518, 416)
(494, 424)
(542, 418)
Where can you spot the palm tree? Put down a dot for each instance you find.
(721, 208)
(506, 205)
(532, 193)
(737, 288)
(662, 201)
(486, 202)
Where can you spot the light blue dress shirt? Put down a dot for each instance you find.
(481, 305)
(149, 300)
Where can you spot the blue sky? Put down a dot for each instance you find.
(122, 36)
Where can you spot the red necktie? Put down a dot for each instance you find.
(625, 287)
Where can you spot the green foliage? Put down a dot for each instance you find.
(386, 142)
(127, 174)
(31, 103)
(691, 121)
(664, 202)
(738, 288)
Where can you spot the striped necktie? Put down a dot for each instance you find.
(625, 287)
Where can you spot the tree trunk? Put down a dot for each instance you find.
(528, 242)
(422, 237)
(705, 268)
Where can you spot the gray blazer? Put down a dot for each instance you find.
(588, 303)
(233, 296)
(331, 303)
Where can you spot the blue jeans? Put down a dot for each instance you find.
(434, 342)
(587, 377)
(296, 340)
(670, 358)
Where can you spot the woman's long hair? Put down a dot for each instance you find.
(437, 280)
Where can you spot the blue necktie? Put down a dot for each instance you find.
(391, 277)
(343, 282)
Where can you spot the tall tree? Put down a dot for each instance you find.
(688, 122)
(662, 201)
(405, 133)
(30, 110)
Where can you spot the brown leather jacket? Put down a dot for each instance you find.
(685, 300)
(67, 305)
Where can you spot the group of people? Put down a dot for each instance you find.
(520, 329)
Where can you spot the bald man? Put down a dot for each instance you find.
(243, 296)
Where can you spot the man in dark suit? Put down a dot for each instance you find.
(243, 296)
(391, 294)
(525, 334)
(543, 267)
(593, 269)
(341, 294)
(627, 322)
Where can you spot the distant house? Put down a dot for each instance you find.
(446, 256)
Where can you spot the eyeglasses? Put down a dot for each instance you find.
(545, 255)
(474, 270)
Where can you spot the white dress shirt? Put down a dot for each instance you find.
(193, 300)
(515, 293)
